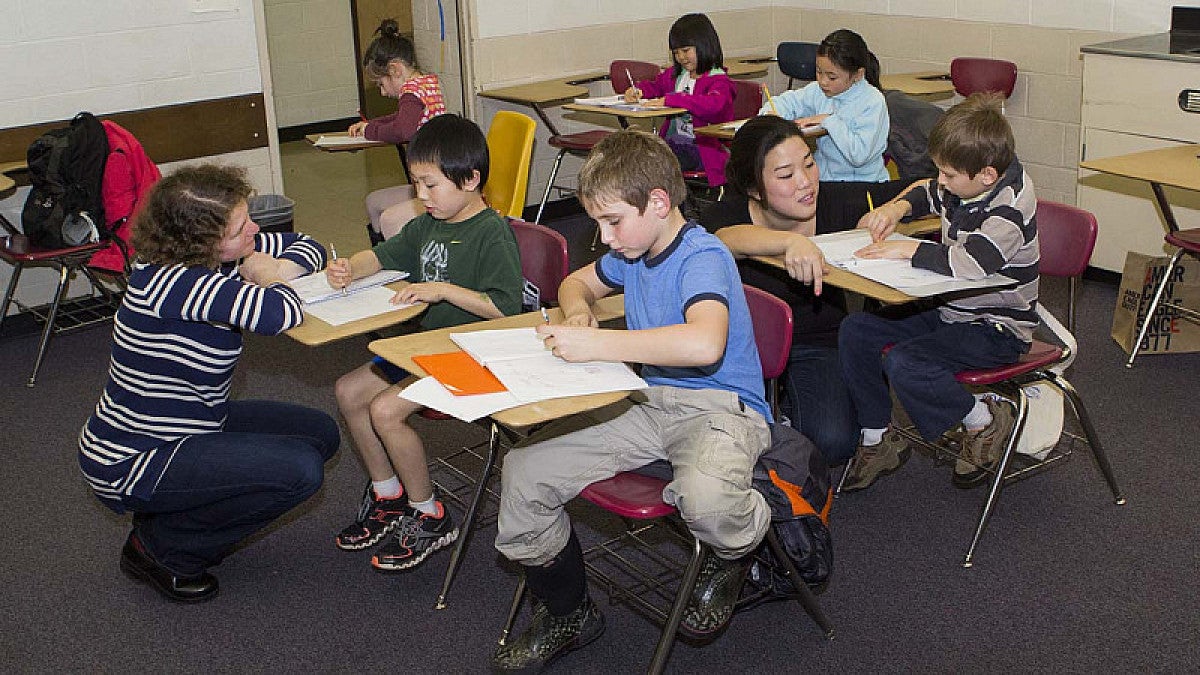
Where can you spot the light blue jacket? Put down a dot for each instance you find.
(856, 129)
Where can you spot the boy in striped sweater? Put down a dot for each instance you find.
(987, 205)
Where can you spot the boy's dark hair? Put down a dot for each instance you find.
(747, 156)
(388, 46)
(185, 215)
(695, 30)
(455, 144)
(849, 52)
(974, 134)
(626, 166)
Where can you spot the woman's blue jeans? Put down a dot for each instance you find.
(222, 487)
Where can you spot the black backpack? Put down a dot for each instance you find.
(911, 120)
(794, 479)
(66, 169)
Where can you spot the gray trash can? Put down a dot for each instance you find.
(273, 213)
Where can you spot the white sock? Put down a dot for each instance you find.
(387, 489)
(978, 418)
(873, 436)
(428, 506)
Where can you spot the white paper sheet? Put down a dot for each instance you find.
(334, 141)
(428, 392)
(839, 247)
(489, 346)
(546, 376)
(314, 288)
(365, 303)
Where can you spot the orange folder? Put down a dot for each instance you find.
(459, 373)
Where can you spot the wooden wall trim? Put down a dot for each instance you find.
(174, 132)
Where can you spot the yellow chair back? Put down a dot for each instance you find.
(510, 148)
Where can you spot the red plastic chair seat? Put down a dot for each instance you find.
(630, 495)
(1040, 355)
(579, 142)
(1188, 240)
(18, 249)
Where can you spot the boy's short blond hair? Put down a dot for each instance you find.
(626, 166)
(972, 135)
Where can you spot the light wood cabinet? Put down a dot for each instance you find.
(1130, 104)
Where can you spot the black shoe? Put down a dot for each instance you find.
(137, 563)
(376, 518)
(549, 637)
(419, 536)
(717, 589)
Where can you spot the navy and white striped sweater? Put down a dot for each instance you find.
(176, 339)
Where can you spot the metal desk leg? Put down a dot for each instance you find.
(468, 524)
(1164, 207)
(545, 119)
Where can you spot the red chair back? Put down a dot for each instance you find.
(620, 70)
(1066, 237)
(772, 319)
(971, 75)
(544, 259)
(747, 99)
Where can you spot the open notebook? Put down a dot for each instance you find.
(616, 101)
(314, 288)
(519, 359)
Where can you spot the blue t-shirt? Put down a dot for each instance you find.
(659, 291)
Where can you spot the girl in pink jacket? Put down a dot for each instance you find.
(698, 83)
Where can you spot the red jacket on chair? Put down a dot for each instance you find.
(128, 176)
(711, 102)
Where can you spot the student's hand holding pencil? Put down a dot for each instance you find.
(633, 94)
(882, 221)
(572, 343)
(339, 273)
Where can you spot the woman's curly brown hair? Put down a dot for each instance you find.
(184, 217)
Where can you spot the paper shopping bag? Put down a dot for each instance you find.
(1169, 332)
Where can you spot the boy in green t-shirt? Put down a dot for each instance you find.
(463, 260)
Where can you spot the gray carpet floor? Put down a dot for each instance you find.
(1064, 581)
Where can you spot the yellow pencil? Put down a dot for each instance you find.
(771, 102)
(870, 204)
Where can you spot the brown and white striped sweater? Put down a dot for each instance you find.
(993, 234)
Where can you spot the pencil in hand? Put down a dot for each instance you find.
(770, 101)
(333, 258)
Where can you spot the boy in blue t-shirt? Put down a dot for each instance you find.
(704, 412)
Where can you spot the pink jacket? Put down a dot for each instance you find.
(711, 102)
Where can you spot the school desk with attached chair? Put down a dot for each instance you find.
(513, 423)
(1177, 166)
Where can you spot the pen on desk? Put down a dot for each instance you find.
(545, 315)
(770, 101)
(333, 254)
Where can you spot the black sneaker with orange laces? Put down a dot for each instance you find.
(419, 535)
(376, 518)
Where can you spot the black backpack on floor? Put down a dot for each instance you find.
(794, 479)
(66, 169)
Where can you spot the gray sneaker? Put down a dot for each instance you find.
(872, 461)
(981, 450)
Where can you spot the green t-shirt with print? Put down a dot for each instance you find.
(479, 254)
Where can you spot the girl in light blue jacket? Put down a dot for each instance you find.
(846, 101)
